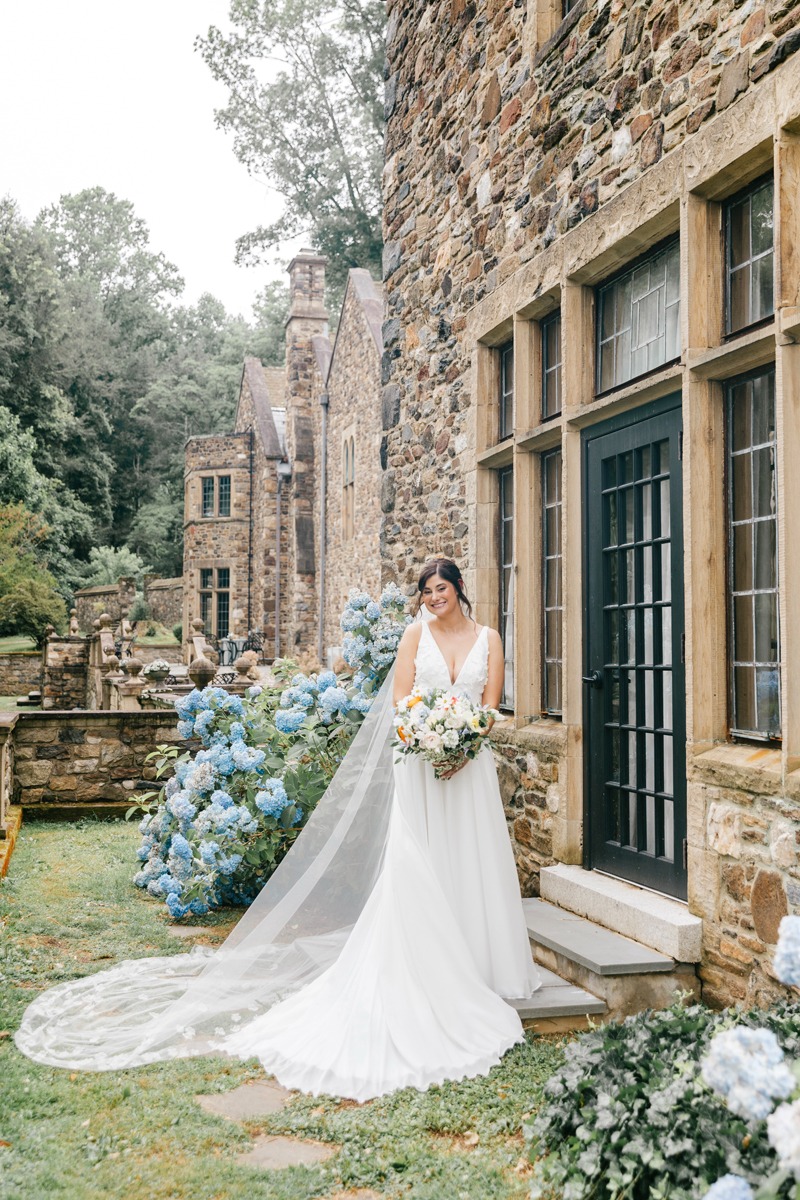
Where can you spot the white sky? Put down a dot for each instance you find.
(101, 92)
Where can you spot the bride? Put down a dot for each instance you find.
(381, 952)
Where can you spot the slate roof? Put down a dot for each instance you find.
(266, 425)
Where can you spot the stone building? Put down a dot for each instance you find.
(591, 376)
(282, 515)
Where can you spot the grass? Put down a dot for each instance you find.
(9, 704)
(67, 909)
(14, 644)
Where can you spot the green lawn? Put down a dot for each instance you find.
(67, 908)
(12, 645)
(9, 704)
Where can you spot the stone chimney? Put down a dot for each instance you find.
(308, 318)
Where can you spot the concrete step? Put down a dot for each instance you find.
(584, 942)
(662, 924)
(557, 1005)
(626, 975)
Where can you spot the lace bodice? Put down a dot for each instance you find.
(431, 670)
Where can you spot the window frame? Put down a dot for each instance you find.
(505, 394)
(633, 265)
(505, 597)
(739, 734)
(727, 206)
(548, 709)
(550, 370)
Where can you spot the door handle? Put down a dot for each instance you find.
(594, 680)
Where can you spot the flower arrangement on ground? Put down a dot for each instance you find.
(442, 726)
(227, 815)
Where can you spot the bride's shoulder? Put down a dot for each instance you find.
(493, 638)
(411, 635)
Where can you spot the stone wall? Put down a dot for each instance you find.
(106, 598)
(354, 389)
(20, 673)
(164, 598)
(65, 672)
(67, 765)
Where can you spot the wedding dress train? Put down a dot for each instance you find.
(410, 993)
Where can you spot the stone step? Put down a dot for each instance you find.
(557, 999)
(659, 922)
(628, 976)
(584, 942)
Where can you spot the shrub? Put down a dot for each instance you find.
(226, 817)
(140, 609)
(107, 564)
(29, 607)
(177, 632)
(629, 1115)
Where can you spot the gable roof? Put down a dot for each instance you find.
(255, 376)
(369, 295)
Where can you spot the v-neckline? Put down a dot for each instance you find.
(459, 672)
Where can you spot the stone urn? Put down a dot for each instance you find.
(135, 666)
(201, 672)
(157, 674)
(245, 665)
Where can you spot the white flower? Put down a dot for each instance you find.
(783, 1131)
(730, 1187)
(787, 953)
(451, 739)
(746, 1067)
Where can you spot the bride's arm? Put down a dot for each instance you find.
(497, 669)
(404, 667)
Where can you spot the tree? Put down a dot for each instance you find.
(107, 564)
(270, 309)
(305, 83)
(29, 608)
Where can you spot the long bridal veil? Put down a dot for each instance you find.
(149, 1009)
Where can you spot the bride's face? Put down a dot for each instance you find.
(439, 596)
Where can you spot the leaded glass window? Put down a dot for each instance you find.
(224, 494)
(506, 481)
(551, 366)
(208, 496)
(753, 561)
(223, 601)
(552, 602)
(749, 257)
(638, 319)
(506, 390)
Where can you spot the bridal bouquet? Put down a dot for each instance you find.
(443, 727)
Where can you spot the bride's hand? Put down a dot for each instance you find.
(454, 770)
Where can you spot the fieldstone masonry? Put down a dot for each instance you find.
(20, 673)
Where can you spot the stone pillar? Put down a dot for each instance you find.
(307, 319)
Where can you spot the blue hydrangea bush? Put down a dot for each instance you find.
(227, 814)
(632, 1115)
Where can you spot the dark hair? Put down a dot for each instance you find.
(447, 569)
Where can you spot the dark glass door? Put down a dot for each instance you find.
(634, 711)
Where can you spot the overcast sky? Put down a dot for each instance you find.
(101, 92)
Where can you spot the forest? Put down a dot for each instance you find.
(104, 372)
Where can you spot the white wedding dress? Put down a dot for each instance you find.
(410, 994)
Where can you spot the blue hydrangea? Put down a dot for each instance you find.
(246, 758)
(226, 865)
(746, 1067)
(209, 852)
(357, 599)
(169, 886)
(334, 700)
(237, 731)
(787, 954)
(326, 679)
(289, 720)
(362, 703)
(187, 706)
(303, 683)
(254, 692)
(173, 785)
(350, 620)
(186, 729)
(181, 807)
(392, 595)
(222, 798)
(373, 611)
(176, 909)
(271, 798)
(180, 847)
(730, 1187)
(354, 649)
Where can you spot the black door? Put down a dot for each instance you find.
(634, 712)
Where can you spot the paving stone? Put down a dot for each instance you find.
(247, 1102)
(277, 1153)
